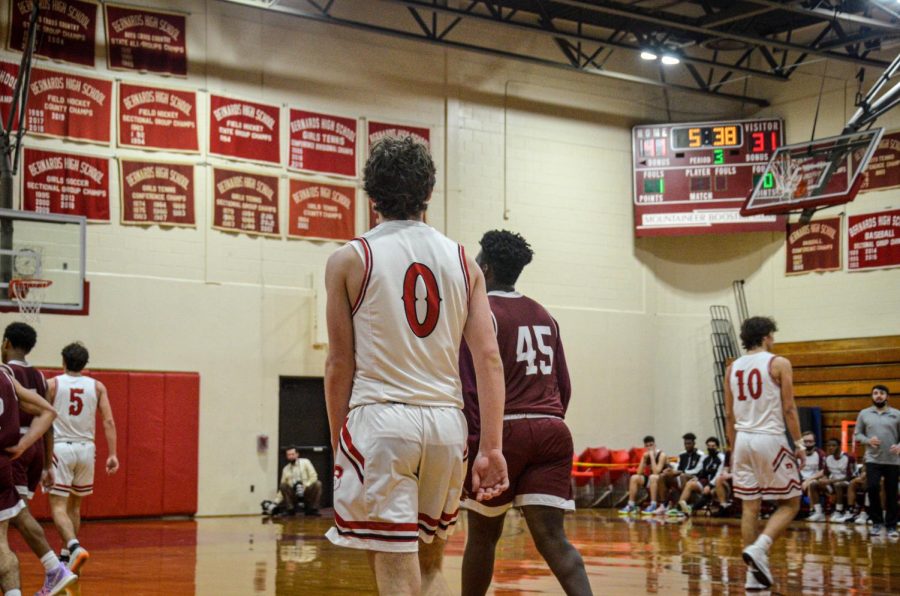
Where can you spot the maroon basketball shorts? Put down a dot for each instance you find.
(10, 501)
(27, 470)
(538, 451)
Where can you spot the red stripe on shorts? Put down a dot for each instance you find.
(372, 525)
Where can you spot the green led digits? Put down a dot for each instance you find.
(719, 158)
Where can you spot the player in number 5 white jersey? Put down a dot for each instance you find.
(759, 402)
(76, 399)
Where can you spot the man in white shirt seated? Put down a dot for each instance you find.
(299, 484)
(839, 468)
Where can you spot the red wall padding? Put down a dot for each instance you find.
(156, 418)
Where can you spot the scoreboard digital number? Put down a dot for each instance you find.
(693, 178)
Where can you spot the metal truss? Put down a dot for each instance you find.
(717, 42)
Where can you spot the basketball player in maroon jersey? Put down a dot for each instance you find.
(36, 465)
(13, 397)
(537, 443)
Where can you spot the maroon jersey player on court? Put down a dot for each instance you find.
(537, 443)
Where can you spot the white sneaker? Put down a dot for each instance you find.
(752, 583)
(816, 517)
(862, 519)
(758, 561)
(838, 517)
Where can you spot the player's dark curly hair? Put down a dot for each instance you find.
(754, 329)
(506, 253)
(399, 177)
(75, 356)
(21, 336)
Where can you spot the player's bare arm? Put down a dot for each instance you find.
(729, 409)
(783, 373)
(109, 428)
(489, 477)
(344, 269)
(44, 415)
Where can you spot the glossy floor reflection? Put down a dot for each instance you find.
(247, 555)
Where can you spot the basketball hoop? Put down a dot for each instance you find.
(29, 295)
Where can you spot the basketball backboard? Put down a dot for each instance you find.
(37, 246)
(813, 174)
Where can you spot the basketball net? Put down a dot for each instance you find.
(788, 178)
(29, 295)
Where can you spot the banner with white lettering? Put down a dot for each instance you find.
(883, 171)
(321, 211)
(379, 130)
(67, 29)
(8, 74)
(69, 106)
(56, 182)
(157, 193)
(245, 202)
(815, 246)
(146, 40)
(157, 118)
(873, 241)
(244, 129)
(322, 143)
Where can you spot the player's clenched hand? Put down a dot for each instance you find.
(112, 464)
(800, 454)
(16, 451)
(47, 478)
(489, 477)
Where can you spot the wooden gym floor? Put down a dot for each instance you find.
(250, 555)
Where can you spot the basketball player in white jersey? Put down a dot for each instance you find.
(76, 399)
(759, 403)
(400, 300)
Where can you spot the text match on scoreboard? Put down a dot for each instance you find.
(692, 178)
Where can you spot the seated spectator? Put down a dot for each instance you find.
(299, 484)
(839, 469)
(722, 485)
(814, 467)
(857, 498)
(689, 462)
(704, 483)
(652, 464)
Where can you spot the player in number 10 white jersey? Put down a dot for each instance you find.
(759, 402)
(76, 399)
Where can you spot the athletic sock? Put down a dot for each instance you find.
(653, 504)
(631, 503)
(50, 561)
(64, 555)
(73, 544)
(818, 507)
(764, 542)
(840, 508)
(13, 593)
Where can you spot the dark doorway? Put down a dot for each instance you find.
(303, 423)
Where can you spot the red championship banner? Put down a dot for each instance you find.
(69, 106)
(245, 202)
(815, 246)
(883, 171)
(157, 118)
(321, 211)
(157, 193)
(244, 129)
(379, 130)
(146, 40)
(66, 29)
(8, 74)
(873, 241)
(322, 143)
(55, 182)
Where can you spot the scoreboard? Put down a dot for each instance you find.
(693, 178)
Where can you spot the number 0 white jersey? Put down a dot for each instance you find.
(76, 408)
(756, 395)
(409, 317)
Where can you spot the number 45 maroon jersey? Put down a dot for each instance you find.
(534, 365)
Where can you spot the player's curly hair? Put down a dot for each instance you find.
(754, 329)
(399, 177)
(75, 356)
(506, 253)
(21, 336)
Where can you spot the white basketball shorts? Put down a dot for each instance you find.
(398, 476)
(764, 467)
(73, 469)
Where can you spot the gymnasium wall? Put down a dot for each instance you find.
(535, 150)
